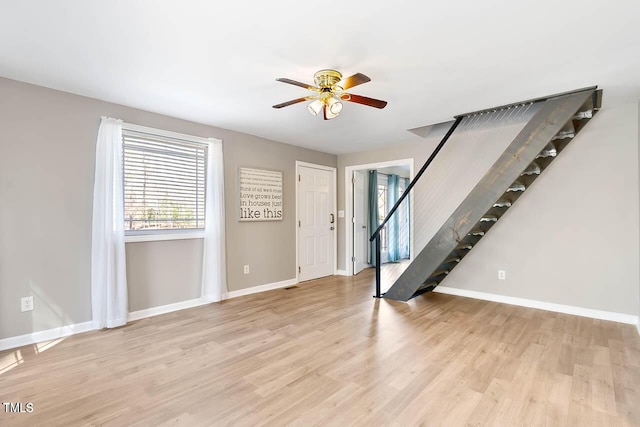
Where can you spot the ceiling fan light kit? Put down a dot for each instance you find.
(334, 105)
(315, 107)
(329, 92)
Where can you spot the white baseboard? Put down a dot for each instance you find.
(47, 335)
(341, 272)
(163, 309)
(65, 331)
(549, 306)
(261, 288)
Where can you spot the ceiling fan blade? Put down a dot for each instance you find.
(293, 101)
(355, 80)
(296, 83)
(376, 103)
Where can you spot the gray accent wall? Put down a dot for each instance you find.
(47, 156)
(163, 272)
(573, 238)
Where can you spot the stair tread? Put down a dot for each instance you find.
(489, 218)
(516, 186)
(532, 169)
(464, 246)
(453, 259)
(439, 273)
(564, 135)
(581, 115)
(476, 233)
(502, 204)
(548, 151)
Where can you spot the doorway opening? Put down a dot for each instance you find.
(371, 190)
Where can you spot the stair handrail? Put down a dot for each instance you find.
(376, 234)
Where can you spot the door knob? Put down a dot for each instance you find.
(333, 219)
(332, 228)
(364, 226)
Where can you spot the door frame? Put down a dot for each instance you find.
(356, 244)
(335, 207)
(348, 204)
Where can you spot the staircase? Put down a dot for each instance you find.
(550, 130)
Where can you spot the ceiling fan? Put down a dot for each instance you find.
(329, 91)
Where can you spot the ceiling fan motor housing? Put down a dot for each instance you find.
(326, 79)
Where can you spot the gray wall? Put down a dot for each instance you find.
(47, 156)
(573, 238)
(163, 272)
(268, 247)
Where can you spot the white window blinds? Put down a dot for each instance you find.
(164, 182)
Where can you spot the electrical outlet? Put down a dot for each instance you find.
(502, 275)
(27, 303)
(246, 269)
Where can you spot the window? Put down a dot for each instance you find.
(403, 220)
(382, 214)
(165, 179)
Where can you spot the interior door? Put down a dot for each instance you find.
(316, 226)
(360, 221)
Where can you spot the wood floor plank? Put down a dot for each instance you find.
(327, 353)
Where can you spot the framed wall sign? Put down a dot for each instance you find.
(260, 194)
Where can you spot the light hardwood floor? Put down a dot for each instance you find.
(327, 353)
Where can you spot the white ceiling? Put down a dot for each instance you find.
(216, 62)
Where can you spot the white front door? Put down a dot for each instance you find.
(360, 217)
(316, 226)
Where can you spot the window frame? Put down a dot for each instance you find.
(383, 185)
(135, 236)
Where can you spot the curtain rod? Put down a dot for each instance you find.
(111, 118)
(385, 174)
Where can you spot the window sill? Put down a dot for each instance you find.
(136, 238)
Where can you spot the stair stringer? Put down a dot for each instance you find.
(545, 124)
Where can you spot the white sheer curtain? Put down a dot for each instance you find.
(109, 301)
(214, 277)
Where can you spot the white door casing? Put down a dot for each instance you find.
(348, 204)
(360, 226)
(316, 223)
